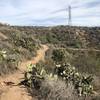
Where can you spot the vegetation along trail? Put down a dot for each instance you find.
(10, 92)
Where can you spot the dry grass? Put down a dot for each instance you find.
(56, 90)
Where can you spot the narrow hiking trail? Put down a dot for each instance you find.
(81, 49)
(9, 92)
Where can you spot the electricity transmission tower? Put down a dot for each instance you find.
(69, 13)
(69, 16)
(69, 21)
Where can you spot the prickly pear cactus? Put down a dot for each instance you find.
(83, 84)
(65, 72)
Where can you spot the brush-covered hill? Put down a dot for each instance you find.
(81, 42)
(15, 46)
(79, 37)
(81, 47)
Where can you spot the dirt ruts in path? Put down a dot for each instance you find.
(9, 92)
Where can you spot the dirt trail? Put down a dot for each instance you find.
(19, 92)
(81, 49)
(2, 36)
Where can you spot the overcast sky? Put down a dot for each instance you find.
(50, 12)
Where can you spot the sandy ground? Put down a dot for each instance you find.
(9, 92)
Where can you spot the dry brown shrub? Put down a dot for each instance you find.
(56, 90)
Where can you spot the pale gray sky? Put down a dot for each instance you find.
(49, 12)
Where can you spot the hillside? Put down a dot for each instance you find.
(83, 43)
(79, 45)
(15, 46)
(79, 37)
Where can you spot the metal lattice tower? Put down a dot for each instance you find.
(69, 16)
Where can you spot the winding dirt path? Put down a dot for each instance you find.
(9, 92)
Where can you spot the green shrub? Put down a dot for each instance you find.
(58, 55)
